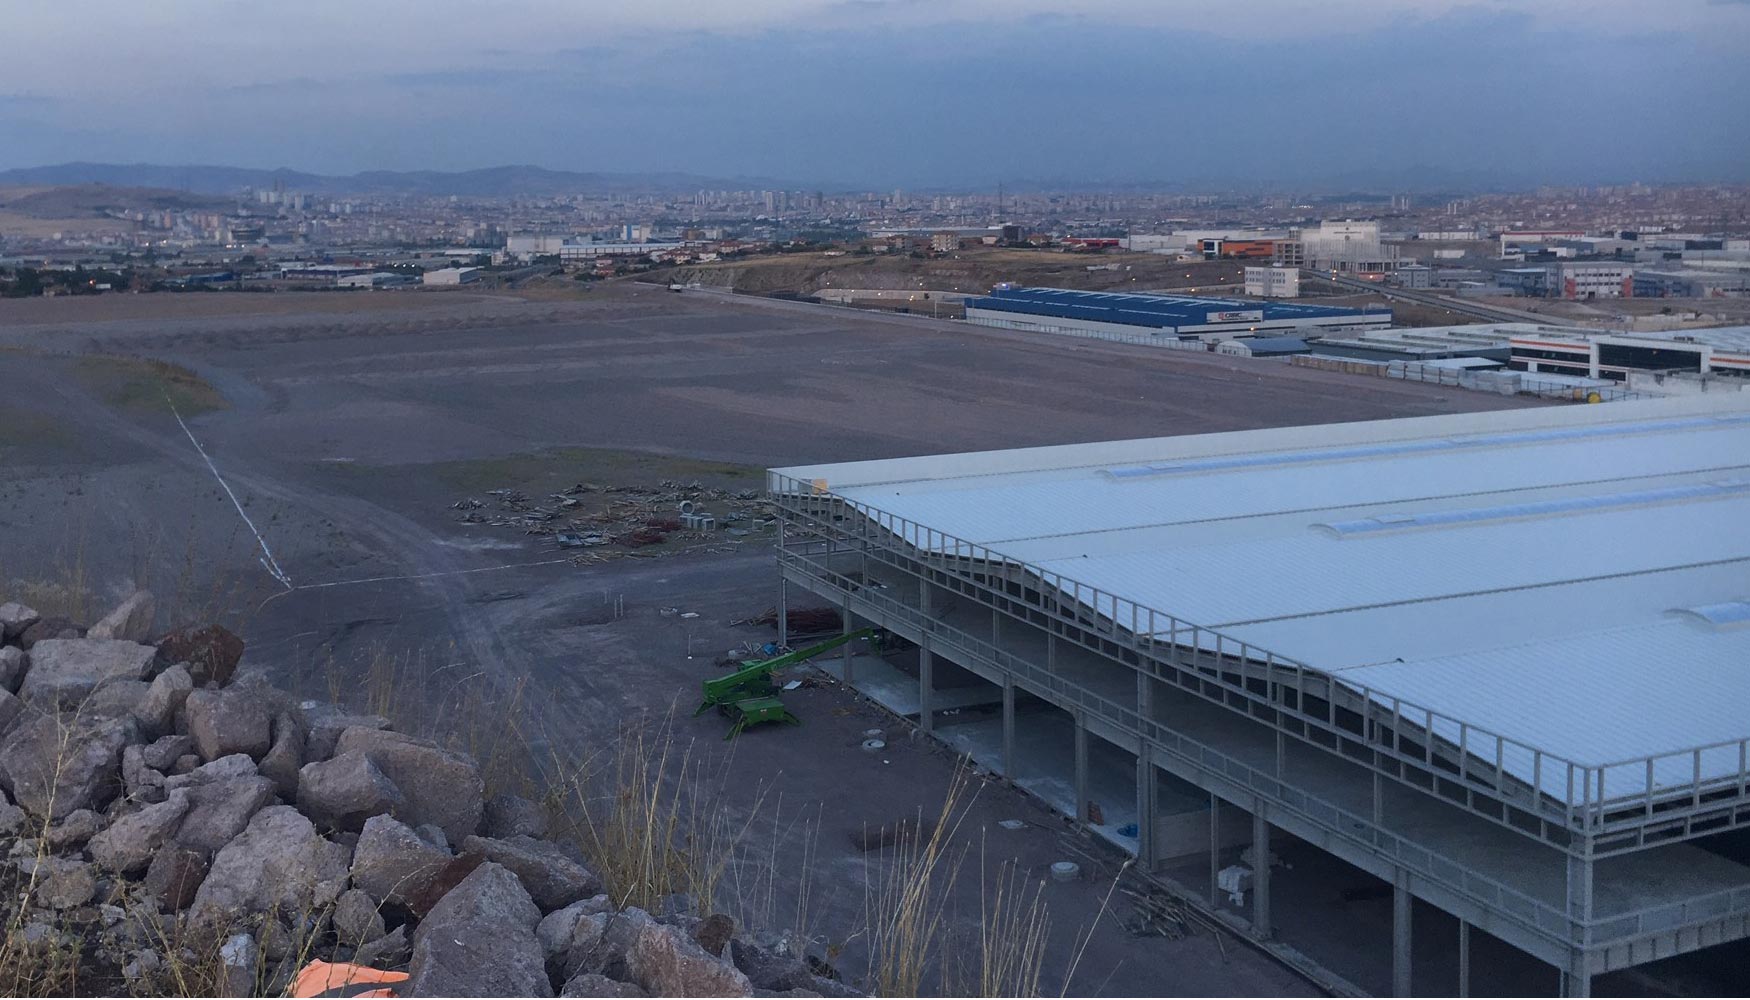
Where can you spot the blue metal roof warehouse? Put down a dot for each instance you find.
(1191, 317)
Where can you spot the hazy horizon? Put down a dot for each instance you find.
(866, 93)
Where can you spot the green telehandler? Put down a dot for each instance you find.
(749, 697)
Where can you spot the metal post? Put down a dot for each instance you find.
(1260, 872)
(783, 610)
(850, 669)
(1009, 724)
(1081, 777)
(1400, 934)
(926, 686)
(1576, 979)
(1214, 849)
(1145, 807)
(1463, 959)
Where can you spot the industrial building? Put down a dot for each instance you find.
(1426, 343)
(1274, 282)
(1591, 280)
(453, 276)
(1718, 350)
(1491, 664)
(1174, 317)
(1691, 283)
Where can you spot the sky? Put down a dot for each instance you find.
(896, 93)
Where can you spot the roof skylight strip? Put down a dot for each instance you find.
(1569, 505)
(1417, 447)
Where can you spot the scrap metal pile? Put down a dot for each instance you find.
(588, 516)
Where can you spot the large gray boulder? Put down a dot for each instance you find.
(393, 863)
(776, 972)
(56, 764)
(278, 864)
(174, 877)
(437, 786)
(50, 628)
(357, 919)
(479, 941)
(211, 653)
(79, 826)
(11, 709)
(556, 929)
(286, 757)
(131, 619)
(514, 816)
(161, 754)
(594, 984)
(62, 883)
(130, 843)
(220, 810)
(662, 959)
(345, 791)
(227, 722)
(553, 879)
(115, 699)
(12, 664)
(323, 723)
(14, 619)
(164, 698)
(64, 672)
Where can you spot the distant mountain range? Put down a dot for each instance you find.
(487, 182)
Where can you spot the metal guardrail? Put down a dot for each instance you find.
(1579, 789)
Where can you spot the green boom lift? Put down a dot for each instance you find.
(749, 697)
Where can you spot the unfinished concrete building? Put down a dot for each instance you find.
(1496, 662)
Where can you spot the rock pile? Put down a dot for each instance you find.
(154, 797)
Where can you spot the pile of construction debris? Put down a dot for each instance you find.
(588, 516)
(173, 825)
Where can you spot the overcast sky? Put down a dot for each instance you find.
(894, 92)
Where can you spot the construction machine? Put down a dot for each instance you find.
(750, 697)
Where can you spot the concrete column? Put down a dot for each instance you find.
(1081, 779)
(1400, 934)
(926, 687)
(1145, 806)
(1009, 725)
(1463, 959)
(1260, 873)
(1051, 654)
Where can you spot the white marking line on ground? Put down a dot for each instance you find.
(267, 560)
(416, 576)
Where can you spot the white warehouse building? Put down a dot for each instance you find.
(1490, 667)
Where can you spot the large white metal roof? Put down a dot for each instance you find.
(1572, 578)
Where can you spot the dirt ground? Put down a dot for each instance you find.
(346, 429)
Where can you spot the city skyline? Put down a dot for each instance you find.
(875, 95)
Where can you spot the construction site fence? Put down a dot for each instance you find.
(1507, 383)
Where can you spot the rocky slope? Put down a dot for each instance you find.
(173, 828)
